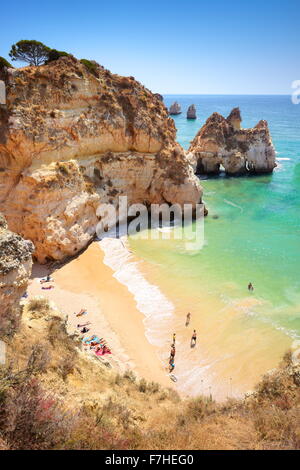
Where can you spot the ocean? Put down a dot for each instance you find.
(254, 238)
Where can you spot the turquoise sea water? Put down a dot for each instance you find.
(256, 238)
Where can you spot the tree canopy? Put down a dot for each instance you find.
(30, 51)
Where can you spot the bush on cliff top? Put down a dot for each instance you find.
(4, 63)
(55, 55)
(91, 65)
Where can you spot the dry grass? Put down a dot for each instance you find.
(38, 306)
(91, 407)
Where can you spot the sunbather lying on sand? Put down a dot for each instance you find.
(84, 330)
(100, 351)
(83, 324)
(82, 312)
(48, 287)
(46, 279)
(91, 339)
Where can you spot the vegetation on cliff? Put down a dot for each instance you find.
(4, 63)
(52, 396)
(111, 132)
(29, 51)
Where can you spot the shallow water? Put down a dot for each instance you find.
(256, 238)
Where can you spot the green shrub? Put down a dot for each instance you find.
(55, 54)
(4, 63)
(91, 66)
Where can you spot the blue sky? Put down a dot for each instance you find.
(184, 47)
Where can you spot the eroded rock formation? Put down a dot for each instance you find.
(70, 139)
(191, 112)
(223, 142)
(175, 108)
(15, 269)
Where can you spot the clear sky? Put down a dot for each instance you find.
(188, 46)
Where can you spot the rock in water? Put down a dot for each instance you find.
(191, 112)
(175, 108)
(15, 270)
(222, 142)
(71, 138)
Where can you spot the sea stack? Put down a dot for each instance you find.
(72, 139)
(221, 141)
(191, 112)
(175, 108)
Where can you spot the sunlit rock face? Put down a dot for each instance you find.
(221, 142)
(175, 108)
(15, 270)
(71, 139)
(191, 112)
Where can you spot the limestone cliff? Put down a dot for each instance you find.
(191, 112)
(15, 269)
(72, 137)
(175, 108)
(222, 142)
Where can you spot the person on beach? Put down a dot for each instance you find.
(194, 339)
(174, 338)
(173, 351)
(82, 312)
(46, 279)
(250, 287)
(83, 324)
(188, 319)
(171, 365)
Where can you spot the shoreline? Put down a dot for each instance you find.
(88, 282)
(127, 308)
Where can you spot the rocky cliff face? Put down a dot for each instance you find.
(222, 142)
(191, 112)
(175, 108)
(71, 138)
(15, 269)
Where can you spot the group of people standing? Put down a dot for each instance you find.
(193, 339)
(173, 348)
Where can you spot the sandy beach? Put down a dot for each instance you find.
(86, 282)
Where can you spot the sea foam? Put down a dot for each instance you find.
(150, 301)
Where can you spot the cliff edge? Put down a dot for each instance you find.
(72, 136)
(15, 269)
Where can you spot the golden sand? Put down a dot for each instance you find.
(86, 282)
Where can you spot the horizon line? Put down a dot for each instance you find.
(226, 94)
